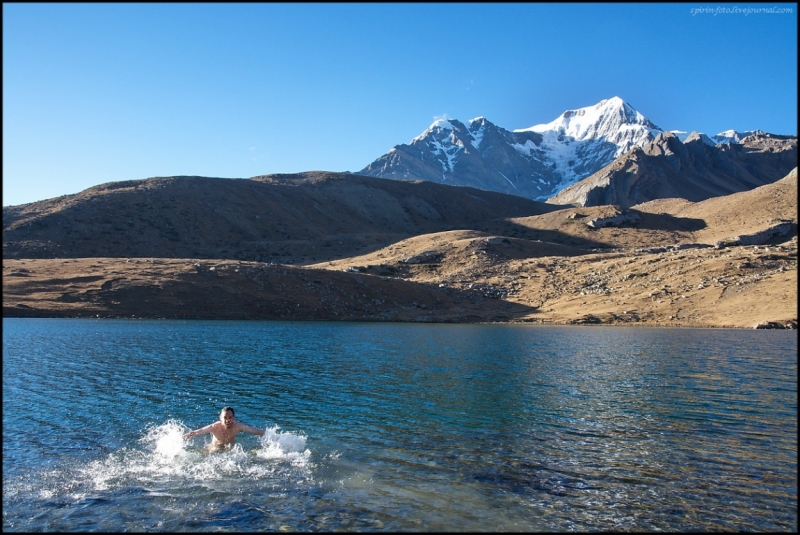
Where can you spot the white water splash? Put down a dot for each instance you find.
(166, 458)
(166, 439)
(284, 445)
(162, 462)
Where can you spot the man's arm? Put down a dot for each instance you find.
(201, 431)
(248, 429)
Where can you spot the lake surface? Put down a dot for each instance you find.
(387, 427)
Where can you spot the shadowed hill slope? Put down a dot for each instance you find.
(308, 217)
(745, 213)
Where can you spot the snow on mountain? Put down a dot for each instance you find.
(613, 119)
(732, 136)
(442, 141)
(728, 136)
(446, 139)
(680, 134)
(683, 137)
(535, 162)
(592, 137)
(477, 135)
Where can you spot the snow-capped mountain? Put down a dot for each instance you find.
(478, 154)
(592, 137)
(535, 162)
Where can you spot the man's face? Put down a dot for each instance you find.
(226, 418)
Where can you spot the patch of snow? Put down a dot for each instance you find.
(440, 139)
(449, 150)
(732, 136)
(683, 136)
(680, 134)
(504, 176)
(525, 149)
(477, 136)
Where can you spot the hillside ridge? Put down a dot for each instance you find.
(333, 246)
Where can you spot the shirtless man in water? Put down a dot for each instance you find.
(224, 432)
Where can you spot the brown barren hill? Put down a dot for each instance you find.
(772, 207)
(302, 218)
(358, 248)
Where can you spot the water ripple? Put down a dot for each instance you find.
(397, 427)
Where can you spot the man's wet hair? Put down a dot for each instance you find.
(226, 409)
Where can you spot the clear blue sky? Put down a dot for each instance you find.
(95, 93)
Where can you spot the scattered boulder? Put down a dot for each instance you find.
(588, 319)
(776, 325)
(423, 258)
(782, 228)
(618, 220)
(676, 247)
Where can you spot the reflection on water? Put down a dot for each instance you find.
(398, 427)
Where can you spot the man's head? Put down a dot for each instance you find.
(226, 416)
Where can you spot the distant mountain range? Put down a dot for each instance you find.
(541, 161)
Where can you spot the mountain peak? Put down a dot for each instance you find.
(439, 125)
(698, 136)
(608, 105)
(441, 122)
(666, 143)
(613, 102)
(479, 121)
(595, 121)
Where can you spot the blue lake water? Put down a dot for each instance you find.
(387, 427)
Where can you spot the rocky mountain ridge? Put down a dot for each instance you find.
(694, 170)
